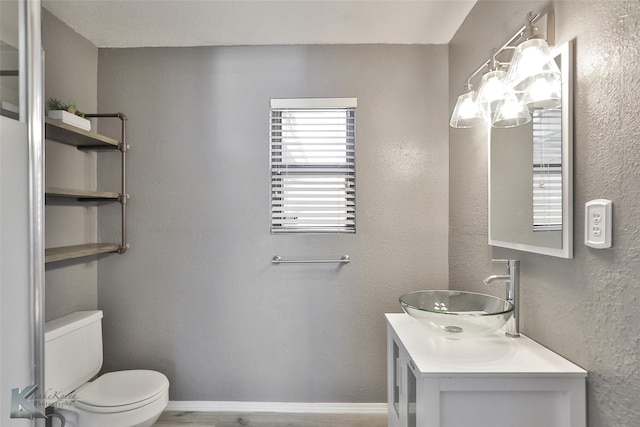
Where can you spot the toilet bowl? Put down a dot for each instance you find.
(73, 357)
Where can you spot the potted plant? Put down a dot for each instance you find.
(68, 113)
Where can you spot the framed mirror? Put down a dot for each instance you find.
(11, 88)
(531, 176)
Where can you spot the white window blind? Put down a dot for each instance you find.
(313, 177)
(547, 169)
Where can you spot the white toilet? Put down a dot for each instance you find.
(73, 356)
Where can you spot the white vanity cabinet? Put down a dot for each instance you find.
(494, 381)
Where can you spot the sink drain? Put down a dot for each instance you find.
(453, 329)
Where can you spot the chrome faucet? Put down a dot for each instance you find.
(512, 279)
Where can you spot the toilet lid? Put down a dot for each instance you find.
(115, 390)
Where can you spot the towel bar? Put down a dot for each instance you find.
(278, 260)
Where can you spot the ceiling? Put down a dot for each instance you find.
(154, 23)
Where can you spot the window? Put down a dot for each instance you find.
(547, 169)
(313, 182)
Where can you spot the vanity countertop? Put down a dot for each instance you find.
(491, 355)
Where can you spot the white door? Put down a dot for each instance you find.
(18, 345)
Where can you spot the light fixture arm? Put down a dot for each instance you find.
(530, 31)
(493, 62)
(468, 84)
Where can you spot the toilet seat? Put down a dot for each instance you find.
(121, 391)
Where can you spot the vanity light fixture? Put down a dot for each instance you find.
(511, 112)
(532, 64)
(492, 89)
(544, 93)
(467, 112)
(508, 97)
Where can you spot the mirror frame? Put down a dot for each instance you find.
(565, 52)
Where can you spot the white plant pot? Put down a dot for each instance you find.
(70, 119)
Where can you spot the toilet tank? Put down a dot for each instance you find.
(73, 351)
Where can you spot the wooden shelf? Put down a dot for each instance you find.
(10, 114)
(78, 251)
(58, 131)
(87, 195)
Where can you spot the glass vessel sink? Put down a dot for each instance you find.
(457, 314)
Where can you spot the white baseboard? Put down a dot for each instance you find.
(281, 407)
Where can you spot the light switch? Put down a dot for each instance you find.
(597, 223)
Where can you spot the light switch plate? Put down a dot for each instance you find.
(597, 223)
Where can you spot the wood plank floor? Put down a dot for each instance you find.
(268, 419)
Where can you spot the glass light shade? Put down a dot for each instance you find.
(531, 61)
(492, 90)
(511, 112)
(467, 113)
(545, 91)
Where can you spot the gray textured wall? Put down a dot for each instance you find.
(71, 73)
(196, 296)
(584, 308)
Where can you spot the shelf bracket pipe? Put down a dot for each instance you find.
(123, 147)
